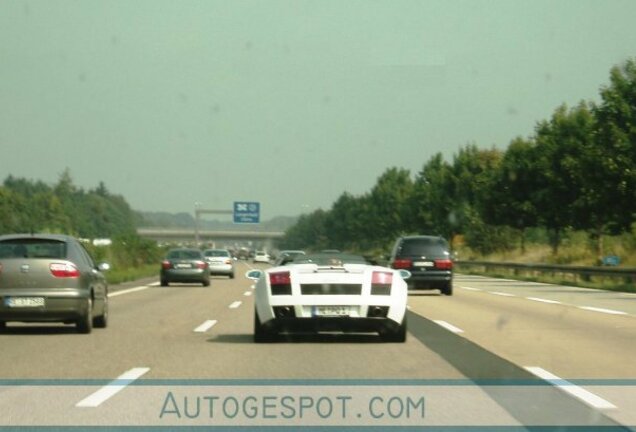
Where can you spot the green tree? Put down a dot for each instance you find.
(560, 142)
(432, 201)
(608, 202)
(388, 213)
(509, 198)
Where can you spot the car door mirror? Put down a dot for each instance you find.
(404, 274)
(254, 274)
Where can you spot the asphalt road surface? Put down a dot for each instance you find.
(497, 353)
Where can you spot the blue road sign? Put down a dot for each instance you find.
(247, 212)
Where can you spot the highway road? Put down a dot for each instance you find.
(497, 353)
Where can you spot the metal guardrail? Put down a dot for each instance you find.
(628, 274)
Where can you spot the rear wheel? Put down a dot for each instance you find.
(3, 325)
(447, 288)
(232, 275)
(397, 335)
(206, 282)
(84, 324)
(102, 320)
(261, 334)
(164, 282)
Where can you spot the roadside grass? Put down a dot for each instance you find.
(576, 249)
(119, 275)
(604, 284)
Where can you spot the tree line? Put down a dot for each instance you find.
(28, 206)
(576, 171)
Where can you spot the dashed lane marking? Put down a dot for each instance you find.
(207, 325)
(111, 389)
(606, 311)
(449, 326)
(580, 393)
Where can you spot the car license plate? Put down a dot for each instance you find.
(184, 266)
(331, 311)
(423, 264)
(17, 302)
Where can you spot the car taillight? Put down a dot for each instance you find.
(280, 283)
(402, 264)
(166, 264)
(443, 264)
(382, 278)
(202, 265)
(381, 283)
(64, 270)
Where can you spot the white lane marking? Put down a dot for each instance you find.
(448, 326)
(235, 304)
(607, 311)
(253, 287)
(576, 391)
(128, 291)
(537, 299)
(207, 325)
(111, 389)
(503, 294)
(470, 288)
(247, 293)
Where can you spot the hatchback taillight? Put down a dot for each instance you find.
(64, 270)
(166, 264)
(443, 264)
(402, 264)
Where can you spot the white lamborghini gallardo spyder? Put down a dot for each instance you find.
(330, 292)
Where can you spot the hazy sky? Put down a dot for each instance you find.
(289, 103)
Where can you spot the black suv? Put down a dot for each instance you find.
(428, 259)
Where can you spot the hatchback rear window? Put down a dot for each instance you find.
(33, 248)
(423, 246)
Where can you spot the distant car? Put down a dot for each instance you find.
(185, 265)
(51, 278)
(220, 262)
(428, 259)
(261, 257)
(287, 256)
(242, 254)
(329, 292)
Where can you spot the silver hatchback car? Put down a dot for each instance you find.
(51, 278)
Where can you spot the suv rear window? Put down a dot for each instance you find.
(423, 246)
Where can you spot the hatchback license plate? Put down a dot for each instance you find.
(331, 311)
(424, 264)
(184, 266)
(17, 302)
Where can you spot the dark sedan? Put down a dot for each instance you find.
(185, 265)
(51, 278)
